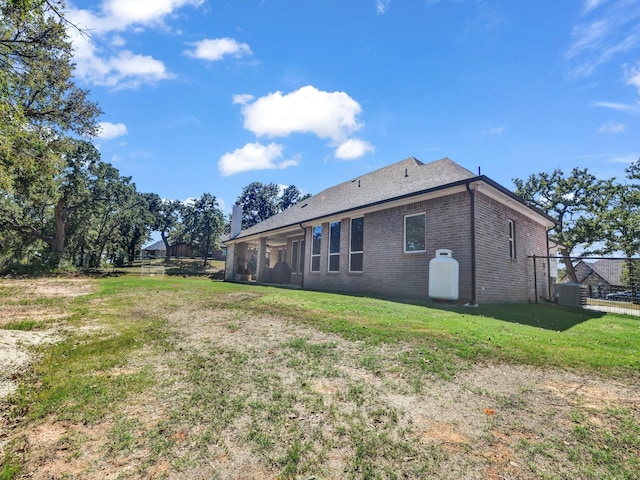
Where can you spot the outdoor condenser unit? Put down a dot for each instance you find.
(571, 294)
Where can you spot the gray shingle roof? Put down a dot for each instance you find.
(609, 270)
(399, 179)
(159, 245)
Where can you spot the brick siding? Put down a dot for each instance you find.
(388, 271)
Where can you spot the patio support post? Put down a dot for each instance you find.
(261, 270)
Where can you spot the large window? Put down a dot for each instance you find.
(512, 240)
(356, 254)
(334, 247)
(315, 249)
(415, 233)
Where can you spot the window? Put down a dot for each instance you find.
(282, 255)
(297, 256)
(415, 233)
(315, 249)
(512, 240)
(356, 254)
(334, 247)
(294, 257)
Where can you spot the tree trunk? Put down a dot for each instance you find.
(166, 246)
(571, 271)
(57, 246)
(206, 251)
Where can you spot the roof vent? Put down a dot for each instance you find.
(304, 205)
(406, 172)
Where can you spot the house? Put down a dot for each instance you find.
(179, 250)
(155, 250)
(603, 276)
(376, 235)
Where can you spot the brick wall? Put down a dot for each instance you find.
(387, 269)
(500, 278)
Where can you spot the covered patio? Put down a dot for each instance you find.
(276, 258)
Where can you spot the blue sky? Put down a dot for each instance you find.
(208, 96)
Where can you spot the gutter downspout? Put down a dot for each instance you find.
(304, 264)
(548, 268)
(473, 244)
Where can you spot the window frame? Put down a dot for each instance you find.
(315, 256)
(334, 253)
(295, 256)
(404, 246)
(512, 240)
(356, 252)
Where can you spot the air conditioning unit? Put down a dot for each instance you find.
(571, 294)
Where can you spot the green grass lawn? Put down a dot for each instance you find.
(539, 335)
(519, 333)
(80, 380)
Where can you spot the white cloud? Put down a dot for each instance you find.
(590, 5)
(611, 127)
(329, 115)
(381, 6)
(126, 70)
(110, 130)
(242, 99)
(254, 156)
(625, 158)
(215, 49)
(120, 14)
(633, 76)
(494, 131)
(620, 107)
(99, 55)
(609, 29)
(353, 148)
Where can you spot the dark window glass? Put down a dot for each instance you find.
(315, 263)
(356, 262)
(317, 236)
(294, 257)
(357, 234)
(414, 233)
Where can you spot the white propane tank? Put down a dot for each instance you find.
(443, 276)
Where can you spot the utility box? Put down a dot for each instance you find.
(571, 294)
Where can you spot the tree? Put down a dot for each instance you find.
(40, 111)
(575, 202)
(260, 201)
(73, 191)
(621, 224)
(290, 196)
(36, 64)
(167, 214)
(203, 223)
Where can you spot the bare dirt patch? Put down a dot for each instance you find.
(20, 298)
